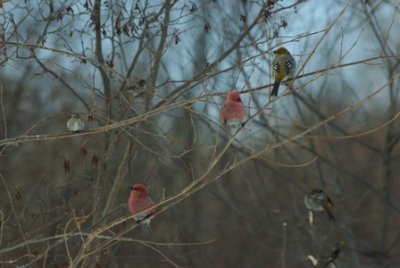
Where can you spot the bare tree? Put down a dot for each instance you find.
(149, 79)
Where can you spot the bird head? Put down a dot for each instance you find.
(142, 83)
(281, 51)
(140, 188)
(234, 96)
(74, 116)
(317, 193)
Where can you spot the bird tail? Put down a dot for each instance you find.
(275, 88)
(330, 215)
(146, 227)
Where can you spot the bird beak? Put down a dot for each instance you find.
(275, 51)
(130, 188)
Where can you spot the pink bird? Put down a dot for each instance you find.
(233, 109)
(138, 202)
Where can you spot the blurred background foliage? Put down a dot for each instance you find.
(149, 78)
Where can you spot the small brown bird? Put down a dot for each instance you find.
(317, 200)
(75, 123)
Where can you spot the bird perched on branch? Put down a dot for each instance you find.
(75, 123)
(317, 200)
(138, 203)
(233, 109)
(284, 65)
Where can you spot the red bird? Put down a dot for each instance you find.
(138, 202)
(233, 109)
